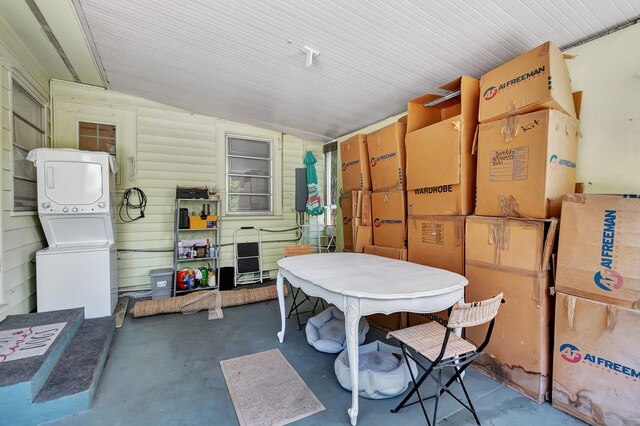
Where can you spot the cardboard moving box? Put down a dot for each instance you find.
(536, 80)
(596, 361)
(389, 219)
(346, 207)
(396, 320)
(599, 249)
(355, 164)
(512, 256)
(437, 241)
(441, 166)
(524, 161)
(387, 157)
(389, 252)
(356, 220)
(362, 237)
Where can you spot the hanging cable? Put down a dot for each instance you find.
(128, 203)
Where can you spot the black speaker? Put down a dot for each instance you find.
(184, 219)
(301, 190)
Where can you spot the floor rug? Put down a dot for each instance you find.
(266, 390)
(27, 342)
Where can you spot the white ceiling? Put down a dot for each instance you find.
(61, 18)
(241, 59)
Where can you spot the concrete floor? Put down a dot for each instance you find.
(165, 370)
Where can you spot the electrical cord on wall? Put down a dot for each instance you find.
(294, 240)
(128, 203)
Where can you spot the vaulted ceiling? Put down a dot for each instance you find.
(242, 59)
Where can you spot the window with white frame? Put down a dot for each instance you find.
(249, 176)
(28, 134)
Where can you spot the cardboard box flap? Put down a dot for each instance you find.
(419, 116)
(548, 245)
(443, 145)
(577, 102)
(463, 95)
(453, 85)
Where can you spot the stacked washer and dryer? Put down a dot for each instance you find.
(76, 195)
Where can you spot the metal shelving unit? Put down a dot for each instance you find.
(213, 234)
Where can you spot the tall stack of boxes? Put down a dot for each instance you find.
(516, 169)
(356, 189)
(387, 169)
(441, 174)
(596, 355)
(388, 203)
(527, 150)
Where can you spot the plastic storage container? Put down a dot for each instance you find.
(161, 283)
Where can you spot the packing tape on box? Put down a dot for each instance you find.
(574, 198)
(509, 205)
(510, 127)
(499, 234)
(538, 291)
(570, 304)
(458, 227)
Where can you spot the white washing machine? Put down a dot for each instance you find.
(76, 209)
(78, 276)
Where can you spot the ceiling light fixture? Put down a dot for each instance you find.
(310, 55)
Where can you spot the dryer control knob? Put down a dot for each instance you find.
(75, 209)
(65, 209)
(45, 205)
(102, 204)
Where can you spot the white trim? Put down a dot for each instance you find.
(28, 87)
(68, 112)
(225, 129)
(16, 77)
(117, 141)
(270, 176)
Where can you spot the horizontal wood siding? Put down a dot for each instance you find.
(175, 147)
(22, 234)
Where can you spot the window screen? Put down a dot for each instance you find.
(249, 176)
(28, 134)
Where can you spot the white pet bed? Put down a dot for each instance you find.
(382, 375)
(326, 332)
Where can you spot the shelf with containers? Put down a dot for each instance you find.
(196, 244)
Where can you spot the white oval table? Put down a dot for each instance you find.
(362, 284)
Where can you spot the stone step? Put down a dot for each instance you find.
(22, 379)
(72, 384)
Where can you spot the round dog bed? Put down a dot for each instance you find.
(383, 373)
(326, 332)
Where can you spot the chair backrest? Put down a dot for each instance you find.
(474, 313)
(297, 250)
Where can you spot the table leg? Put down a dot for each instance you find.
(280, 287)
(352, 319)
(458, 330)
